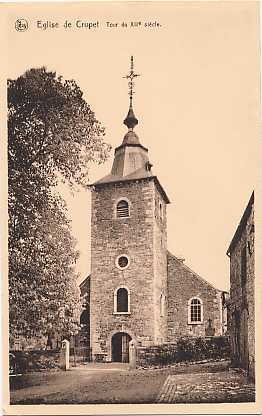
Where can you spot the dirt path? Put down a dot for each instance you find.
(209, 383)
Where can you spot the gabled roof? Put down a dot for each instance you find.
(181, 261)
(241, 225)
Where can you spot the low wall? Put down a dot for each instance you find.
(185, 349)
(21, 362)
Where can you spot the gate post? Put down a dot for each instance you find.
(132, 355)
(64, 355)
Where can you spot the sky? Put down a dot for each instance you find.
(197, 102)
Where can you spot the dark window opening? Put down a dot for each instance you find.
(123, 262)
(84, 317)
(122, 209)
(122, 300)
(161, 211)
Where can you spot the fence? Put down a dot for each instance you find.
(79, 355)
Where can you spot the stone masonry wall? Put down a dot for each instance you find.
(111, 237)
(183, 284)
(251, 294)
(241, 307)
(160, 268)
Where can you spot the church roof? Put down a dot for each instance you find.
(242, 225)
(181, 261)
(130, 138)
(131, 160)
(138, 175)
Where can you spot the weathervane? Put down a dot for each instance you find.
(131, 77)
(131, 120)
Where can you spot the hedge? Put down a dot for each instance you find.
(185, 349)
(21, 362)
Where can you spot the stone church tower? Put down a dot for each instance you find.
(128, 294)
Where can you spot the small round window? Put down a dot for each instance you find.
(122, 262)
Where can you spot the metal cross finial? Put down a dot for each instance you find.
(131, 120)
(131, 77)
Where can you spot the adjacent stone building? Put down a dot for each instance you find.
(242, 298)
(138, 290)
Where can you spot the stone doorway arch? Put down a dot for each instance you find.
(120, 347)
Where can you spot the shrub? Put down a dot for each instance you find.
(21, 362)
(186, 349)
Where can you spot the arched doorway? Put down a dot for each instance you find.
(120, 347)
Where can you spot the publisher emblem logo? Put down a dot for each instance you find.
(21, 25)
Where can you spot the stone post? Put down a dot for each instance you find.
(64, 355)
(132, 355)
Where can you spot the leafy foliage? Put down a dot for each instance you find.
(52, 127)
(21, 362)
(52, 136)
(185, 349)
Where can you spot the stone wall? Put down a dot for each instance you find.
(160, 268)
(159, 284)
(241, 305)
(137, 238)
(183, 284)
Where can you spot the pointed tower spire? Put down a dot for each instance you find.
(131, 120)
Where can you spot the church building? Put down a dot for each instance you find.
(138, 290)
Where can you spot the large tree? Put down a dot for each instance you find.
(53, 135)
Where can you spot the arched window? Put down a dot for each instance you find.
(122, 300)
(195, 311)
(122, 209)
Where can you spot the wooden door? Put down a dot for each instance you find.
(125, 347)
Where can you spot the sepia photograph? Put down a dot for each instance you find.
(133, 145)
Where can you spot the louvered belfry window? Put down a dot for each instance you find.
(122, 209)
